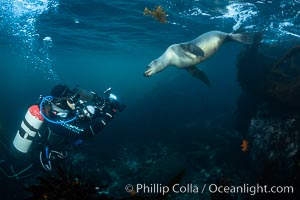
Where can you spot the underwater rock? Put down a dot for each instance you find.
(274, 138)
(264, 75)
(275, 141)
(284, 79)
(253, 67)
(62, 184)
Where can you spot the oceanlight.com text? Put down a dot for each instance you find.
(211, 188)
(251, 189)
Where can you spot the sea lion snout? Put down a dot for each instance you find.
(148, 72)
(154, 67)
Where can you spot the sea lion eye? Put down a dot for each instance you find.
(153, 62)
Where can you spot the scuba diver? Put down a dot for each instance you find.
(55, 125)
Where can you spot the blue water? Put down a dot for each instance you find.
(97, 44)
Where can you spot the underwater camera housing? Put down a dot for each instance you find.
(114, 102)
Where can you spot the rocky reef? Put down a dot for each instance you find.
(275, 138)
(271, 74)
(269, 110)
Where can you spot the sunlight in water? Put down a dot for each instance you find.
(240, 13)
(19, 25)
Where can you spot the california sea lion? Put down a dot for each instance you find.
(187, 55)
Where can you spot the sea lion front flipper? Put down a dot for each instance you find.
(197, 73)
(192, 48)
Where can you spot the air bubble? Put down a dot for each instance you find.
(18, 19)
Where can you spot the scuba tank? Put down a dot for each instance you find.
(29, 127)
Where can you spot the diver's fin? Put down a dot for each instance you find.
(197, 73)
(192, 48)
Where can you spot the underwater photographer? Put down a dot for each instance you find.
(56, 125)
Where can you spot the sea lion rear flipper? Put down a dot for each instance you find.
(197, 73)
(192, 48)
